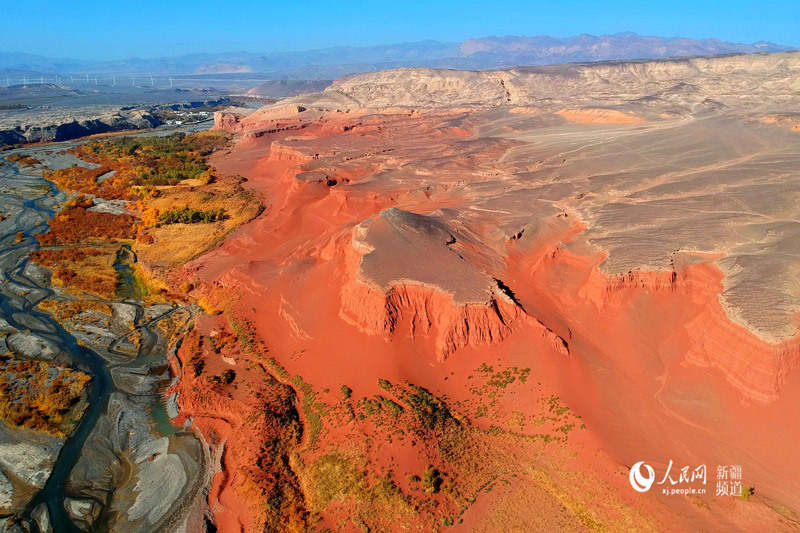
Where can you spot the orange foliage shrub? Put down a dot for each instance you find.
(94, 283)
(84, 180)
(49, 258)
(79, 201)
(40, 395)
(85, 269)
(76, 224)
(22, 159)
(149, 216)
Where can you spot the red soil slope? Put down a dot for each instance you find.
(648, 360)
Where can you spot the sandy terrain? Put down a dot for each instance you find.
(623, 231)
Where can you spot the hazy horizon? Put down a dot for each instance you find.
(94, 31)
(376, 45)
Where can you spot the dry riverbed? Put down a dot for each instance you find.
(110, 459)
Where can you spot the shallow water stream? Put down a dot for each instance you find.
(28, 201)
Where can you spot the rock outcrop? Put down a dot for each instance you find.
(683, 83)
(72, 129)
(66, 123)
(443, 314)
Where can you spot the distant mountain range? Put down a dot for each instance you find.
(331, 63)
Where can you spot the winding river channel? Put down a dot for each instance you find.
(126, 385)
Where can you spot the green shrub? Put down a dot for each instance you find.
(187, 215)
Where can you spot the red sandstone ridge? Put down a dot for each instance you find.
(425, 312)
(758, 369)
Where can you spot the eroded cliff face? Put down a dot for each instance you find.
(683, 83)
(62, 129)
(429, 313)
(756, 368)
(423, 312)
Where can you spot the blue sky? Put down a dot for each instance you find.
(115, 29)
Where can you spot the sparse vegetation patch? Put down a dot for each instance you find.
(41, 395)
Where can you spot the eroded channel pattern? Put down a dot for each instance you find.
(109, 458)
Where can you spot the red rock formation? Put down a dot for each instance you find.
(227, 121)
(427, 312)
(758, 369)
(250, 422)
(655, 367)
